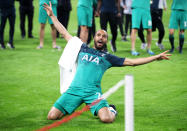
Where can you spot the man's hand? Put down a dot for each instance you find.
(163, 56)
(118, 14)
(124, 7)
(48, 8)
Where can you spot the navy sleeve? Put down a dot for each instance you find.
(83, 47)
(114, 60)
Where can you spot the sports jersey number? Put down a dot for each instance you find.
(149, 23)
(98, 95)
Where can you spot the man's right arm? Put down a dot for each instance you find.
(60, 28)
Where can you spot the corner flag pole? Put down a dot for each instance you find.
(129, 103)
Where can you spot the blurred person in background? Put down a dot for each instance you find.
(63, 12)
(178, 18)
(7, 11)
(91, 30)
(120, 22)
(85, 16)
(141, 14)
(126, 4)
(43, 17)
(157, 7)
(108, 10)
(26, 9)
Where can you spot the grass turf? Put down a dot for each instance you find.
(29, 84)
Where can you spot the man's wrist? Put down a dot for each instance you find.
(52, 15)
(157, 57)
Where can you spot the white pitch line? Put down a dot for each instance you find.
(113, 89)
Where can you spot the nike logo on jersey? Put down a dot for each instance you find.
(91, 59)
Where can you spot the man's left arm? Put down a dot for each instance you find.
(141, 61)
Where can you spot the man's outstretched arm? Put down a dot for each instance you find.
(61, 29)
(141, 61)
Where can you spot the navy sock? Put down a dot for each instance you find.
(181, 42)
(171, 39)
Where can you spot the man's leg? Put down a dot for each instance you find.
(60, 18)
(65, 104)
(66, 18)
(84, 33)
(157, 23)
(54, 114)
(142, 37)
(113, 28)
(133, 40)
(89, 35)
(78, 31)
(130, 23)
(42, 20)
(181, 40)
(120, 24)
(126, 25)
(42, 31)
(22, 22)
(12, 19)
(136, 22)
(93, 28)
(171, 39)
(106, 115)
(103, 24)
(53, 34)
(161, 32)
(103, 21)
(30, 22)
(149, 38)
(2, 27)
(160, 27)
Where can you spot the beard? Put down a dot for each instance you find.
(99, 47)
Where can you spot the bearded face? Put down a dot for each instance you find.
(100, 39)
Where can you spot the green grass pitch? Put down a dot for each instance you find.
(29, 84)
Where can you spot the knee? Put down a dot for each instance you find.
(52, 116)
(84, 29)
(149, 31)
(42, 26)
(181, 32)
(171, 31)
(134, 31)
(53, 27)
(106, 119)
(162, 30)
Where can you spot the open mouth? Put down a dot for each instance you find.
(100, 42)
